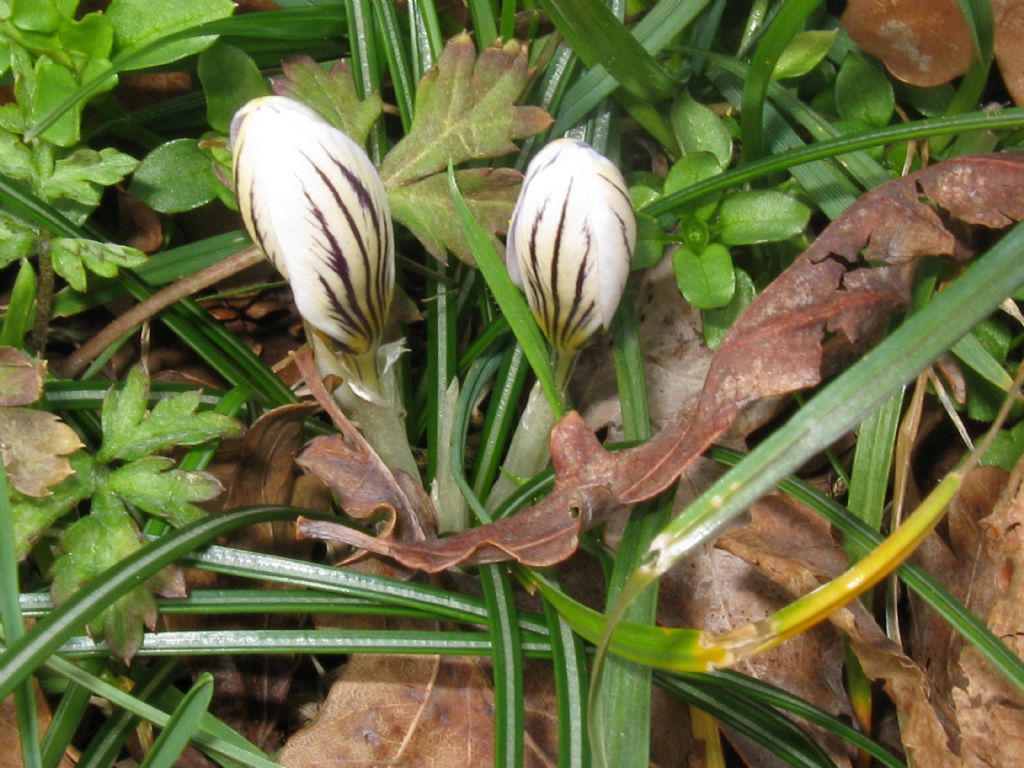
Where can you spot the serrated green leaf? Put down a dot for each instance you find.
(154, 487)
(87, 40)
(54, 84)
(17, 240)
(122, 410)
(175, 177)
(34, 516)
(863, 92)
(705, 279)
(130, 433)
(98, 541)
(804, 52)
(698, 129)
(41, 15)
(465, 110)
(73, 256)
(15, 157)
(332, 93)
(230, 78)
(760, 216)
(139, 23)
(82, 175)
(425, 207)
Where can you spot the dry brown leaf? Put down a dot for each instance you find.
(928, 43)
(10, 742)
(716, 590)
(420, 711)
(1008, 17)
(858, 271)
(795, 550)
(21, 377)
(922, 42)
(35, 446)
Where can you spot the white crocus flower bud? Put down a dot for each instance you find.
(570, 241)
(314, 203)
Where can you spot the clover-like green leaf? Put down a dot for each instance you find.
(82, 175)
(34, 516)
(154, 487)
(426, 209)
(72, 256)
(332, 93)
(130, 433)
(465, 110)
(94, 543)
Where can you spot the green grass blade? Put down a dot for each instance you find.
(777, 35)
(621, 699)
(441, 356)
(107, 742)
(657, 29)
(366, 66)
(598, 37)
(972, 353)
(26, 715)
(872, 464)
(485, 26)
(570, 668)
(507, 660)
(26, 653)
(182, 726)
(1006, 119)
(398, 64)
(509, 298)
(500, 417)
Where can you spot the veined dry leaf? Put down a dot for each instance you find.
(21, 377)
(717, 590)
(420, 711)
(986, 550)
(858, 271)
(425, 207)
(465, 110)
(35, 446)
(793, 548)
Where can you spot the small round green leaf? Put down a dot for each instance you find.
(698, 129)
(175, 177)
(689, 170)
(230, 78)
(706, 279)
(804, 52)
(863, 92)
(760, 216)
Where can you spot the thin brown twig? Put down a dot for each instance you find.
(85, 354)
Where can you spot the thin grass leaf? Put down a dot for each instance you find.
(620, 714)
(67, 718)
(1006, 119)
(872, 464)
(657, 29)
(365, 65)
(500, 417)
(507, 660)
(979, 17)
(570, 668)
(777, 35)
(107, 742)
(25, 654)
(509, 298)
(598, 37)
(484, 24)
(972, 353)
(394, 52)
(25, 711)
(182, 726)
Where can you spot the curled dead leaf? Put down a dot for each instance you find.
(35, 446)
(21, 377)
(844, 287)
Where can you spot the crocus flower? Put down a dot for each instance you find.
(313, 202)
(570, 241)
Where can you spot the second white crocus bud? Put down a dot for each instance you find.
(314, 203)
(570, 241)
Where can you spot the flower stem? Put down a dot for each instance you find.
(528, 453)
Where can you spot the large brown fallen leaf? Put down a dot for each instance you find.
(793, 547)
(855, 275)
(928, 42)
(984, 566)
